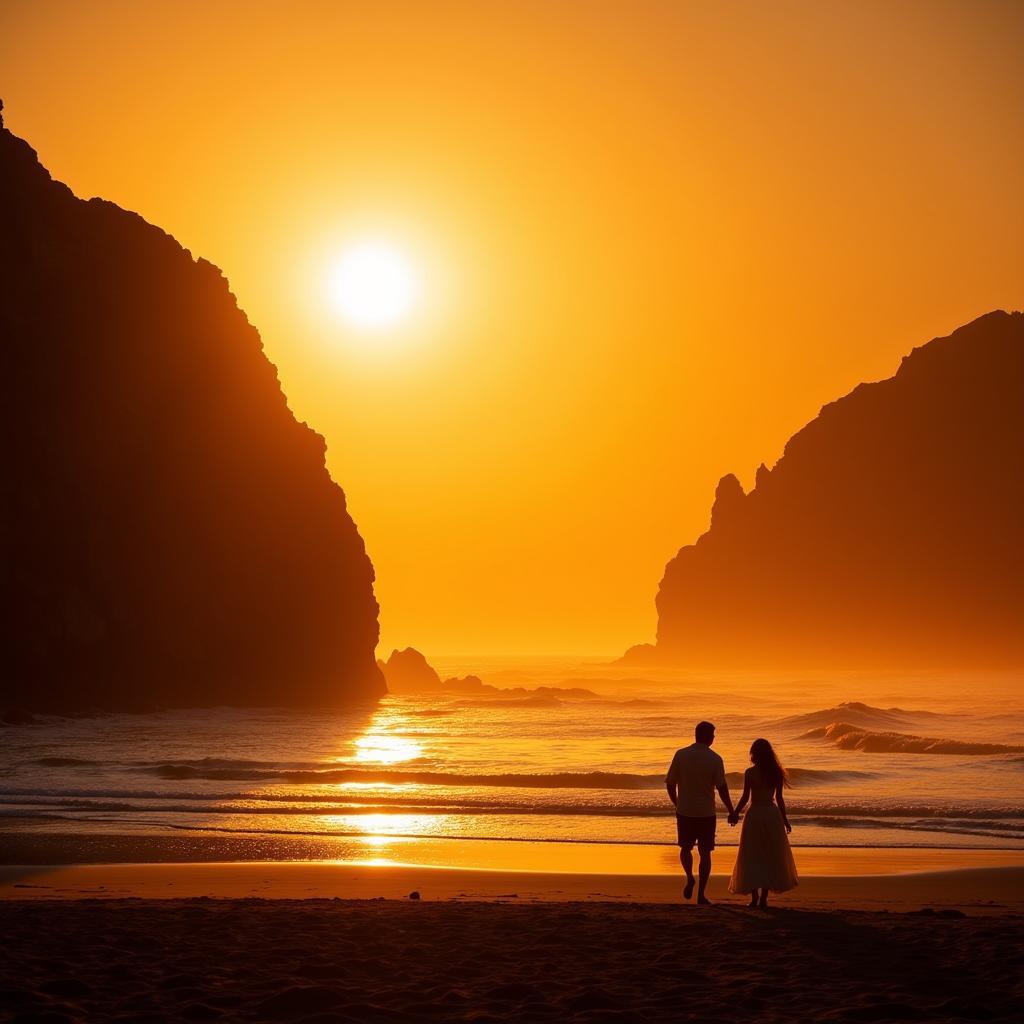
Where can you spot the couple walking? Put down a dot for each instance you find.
(764, 860)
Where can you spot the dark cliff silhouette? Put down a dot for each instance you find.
(889, 533)
(173, 536)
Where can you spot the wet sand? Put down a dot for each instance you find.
(25, 847)
(322, 961)
(980, 890)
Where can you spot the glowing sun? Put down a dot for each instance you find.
(373, 285)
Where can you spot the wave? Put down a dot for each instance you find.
(540, 780)
(857, 713)
(988, 830)
(358, 803)
(244, 771)
(217, 769)
(950, 826)
(63, 762)
(850, 737)
(511, 702)
(201, 763)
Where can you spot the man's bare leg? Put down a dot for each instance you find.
(703, 874)
(686, 859)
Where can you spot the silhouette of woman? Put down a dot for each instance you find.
(764, 860)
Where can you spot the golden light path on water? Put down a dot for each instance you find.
(491, 743)
(446, 780)
(383, 748)
(513, 779)
(382, 744)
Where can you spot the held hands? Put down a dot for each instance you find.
(734, 818)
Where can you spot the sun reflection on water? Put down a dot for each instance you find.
(385, 748)
(387, 825)
(381, 847)
(383, 840)
(379, 785)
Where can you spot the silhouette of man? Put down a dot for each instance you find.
(693, 776)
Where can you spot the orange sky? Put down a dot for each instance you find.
(655, 238)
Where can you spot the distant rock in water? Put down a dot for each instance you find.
(408, 671)
(465, 684)
(173, 536)
(890, 533)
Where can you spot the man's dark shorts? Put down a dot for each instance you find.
(696, 830)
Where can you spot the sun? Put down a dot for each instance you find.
(373, 285)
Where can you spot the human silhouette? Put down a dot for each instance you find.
(764, 860)
(693, 776)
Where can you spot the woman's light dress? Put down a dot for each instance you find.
(764, 860)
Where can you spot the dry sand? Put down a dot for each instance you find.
(146, 943)
(323, 961)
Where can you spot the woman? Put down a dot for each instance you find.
(764, 860)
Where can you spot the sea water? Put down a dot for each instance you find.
(563, 767)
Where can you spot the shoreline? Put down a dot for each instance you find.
(24, 847)
(986, 891)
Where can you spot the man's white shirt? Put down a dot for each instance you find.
(696, 770)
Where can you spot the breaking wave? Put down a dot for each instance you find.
(850, 737)
(845, 815)
(510, 702)
(859, 714)
(219, 770)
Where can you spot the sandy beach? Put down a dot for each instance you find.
(318, 960)
(995, 885)
(327, 942)
(486, 478)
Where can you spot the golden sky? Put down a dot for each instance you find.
(653, 239)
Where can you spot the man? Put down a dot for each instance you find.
(693, 776)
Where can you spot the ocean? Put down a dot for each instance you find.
(876, 760)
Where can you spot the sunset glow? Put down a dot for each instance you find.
(373, 286)
(514, 510)
(665, 256)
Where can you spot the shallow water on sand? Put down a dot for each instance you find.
(918, 760)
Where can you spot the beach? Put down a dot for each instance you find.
(965, 881)
(489, 959)
(486, 479)
(512, 858)
(323, 941)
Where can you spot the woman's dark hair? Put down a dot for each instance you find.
(763, 756)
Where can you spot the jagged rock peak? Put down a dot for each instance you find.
(728, 500)
(889, 533)
(408, 670)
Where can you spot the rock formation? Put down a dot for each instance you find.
(173, 536)
(890, 533)
(408, 671)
